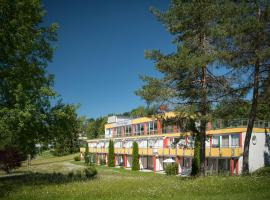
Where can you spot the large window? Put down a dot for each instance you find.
(225, 141)
(118, 131)
(151, 127)
(215, 141)
(128, 130)
(235, 140)
(139, 129)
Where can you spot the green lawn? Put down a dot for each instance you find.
(117, 184)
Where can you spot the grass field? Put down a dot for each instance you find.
(115, 183)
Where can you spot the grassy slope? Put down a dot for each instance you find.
(119, 184)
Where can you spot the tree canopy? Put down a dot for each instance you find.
(27, 116)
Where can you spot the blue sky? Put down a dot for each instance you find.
(100, 51)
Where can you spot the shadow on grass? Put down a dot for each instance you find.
(13, 182)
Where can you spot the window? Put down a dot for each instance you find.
(235, 140)
(190, 142)
(128, 130)
(215, 141)
(139, 129)
(225, 141)
(118, 131)
(151, 127)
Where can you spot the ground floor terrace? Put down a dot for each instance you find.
(214, 165)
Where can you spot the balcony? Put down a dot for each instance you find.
(237, 123)
(223, 152)
(146, 151)
(182, 152)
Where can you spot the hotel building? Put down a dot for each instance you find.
(158, 141)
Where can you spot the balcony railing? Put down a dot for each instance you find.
(218, 124)
(182, 152)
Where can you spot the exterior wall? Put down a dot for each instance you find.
(256, 151)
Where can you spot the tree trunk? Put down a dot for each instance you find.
(203, 123)
(252, 117)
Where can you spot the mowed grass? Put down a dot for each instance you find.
(115, 183)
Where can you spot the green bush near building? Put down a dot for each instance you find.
(171, 169)
(90, 172)
(135, 157)
(102, 161)
(77, 158)
(111, 154)
(86, 155)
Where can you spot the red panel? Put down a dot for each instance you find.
(240, 139)
(145, 129)
(158, 126)
(177, 160)
(175, 129)
(154, 163)
(165, 142)
(237, 167)
(125, 160)
(231, 167)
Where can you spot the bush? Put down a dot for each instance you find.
(135, 157)
(79, 174)
(77, 158)
(70, 174)
(264, 171)
(86, 155)
(90, 172)
(102, 161)
(10, 158)
(171, 169)
(111, 154)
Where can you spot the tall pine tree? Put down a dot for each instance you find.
(247, 52)
(188, 74)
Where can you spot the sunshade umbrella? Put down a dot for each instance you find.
(169, 160)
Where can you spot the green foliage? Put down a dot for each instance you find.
(135, 157)
(94, 128)
(136, 184)
(87, 158)
(111, 156)
(196, 158)
(188, 76)
(102, 161)
(64, 129)
(264, 171)
(246, 50)
(171, 169)
(25, 86)
(77, 158)
(90, 172)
